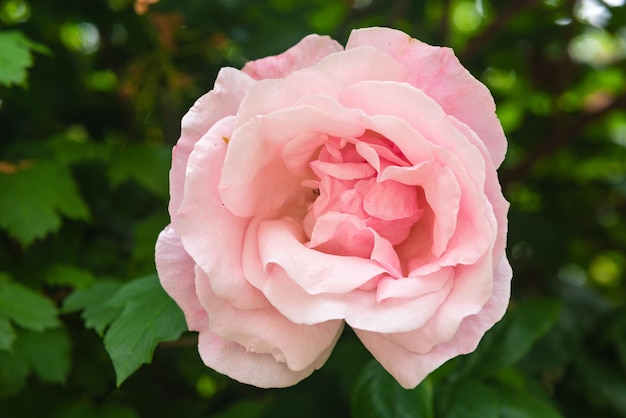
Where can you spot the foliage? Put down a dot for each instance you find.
(90, 104)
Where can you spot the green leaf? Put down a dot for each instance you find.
(378, 395)
(16, 57)
(34, 196)
(26, 308)
(523, 404)
(149, 316)
(48, 353)
(148, 165)
(471, 399)
(69, 275)
(511, 339)
(93, 301)
(7, 335)
(14, 369)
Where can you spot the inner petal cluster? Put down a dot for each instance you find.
(356, 212)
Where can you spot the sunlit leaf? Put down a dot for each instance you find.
(16, 57)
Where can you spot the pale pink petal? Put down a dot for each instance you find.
(443, 195)
(265, 330)
(328, 77)
(260, 370)
(176, 273)
(472, 288)
(410, 368)
(424, 114)
(253, 164)
(360, 308)
(414, 287)
(344, 171)
(440, 75)
(493, 191)
(210, 233)
(281, 244)
(309, 51)
(230, 87)
(410, 142)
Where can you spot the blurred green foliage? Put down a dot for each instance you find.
(91, 96)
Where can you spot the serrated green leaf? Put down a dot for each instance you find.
(26, 308)
(47, 352)
(93, 301)
(33, 198)
(378, 395)
(14, 369)
(149, 316)
(471, 399)
(148, 165)
(513, 337)
(7, 335)
(16, 57)
(68, 275)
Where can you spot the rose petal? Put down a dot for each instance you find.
(230, 87)
(280, 243)
(346, 235)
(440, 75)
(328, 77)
(410, 368)
(310, 50)
(264, 330)
(260, 370)
(176, 271)
(253, 163)
(202, 218)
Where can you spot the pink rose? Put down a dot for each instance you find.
(326, 186)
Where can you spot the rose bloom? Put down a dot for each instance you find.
(323, 187)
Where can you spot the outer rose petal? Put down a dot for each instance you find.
(261, 370)
(230, 87)
(439, 74)
(176, 273)
(202, 215)
(265, 330)
(409, 368)
(305, 53)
